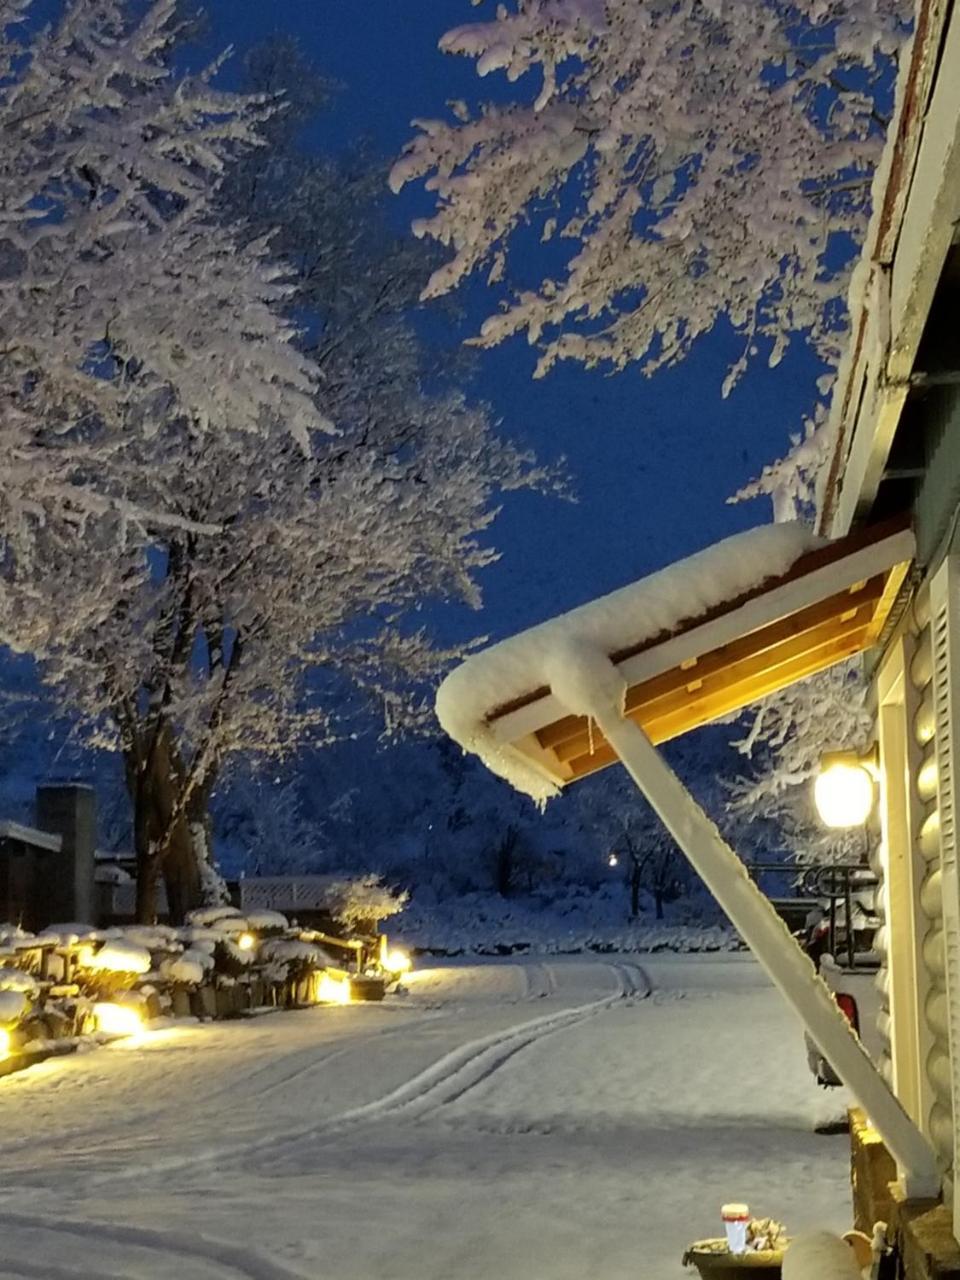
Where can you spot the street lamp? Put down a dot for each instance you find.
(844, 787)
(613, 860)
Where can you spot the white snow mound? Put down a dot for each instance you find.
(266, 920)
(213, 916)
(12, 979)
(554, 652)
(12, 1006)
(190, 967)
(116, 956)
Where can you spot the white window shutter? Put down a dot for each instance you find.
(945, 626)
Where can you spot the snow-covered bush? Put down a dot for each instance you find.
(191, 967)
(362, 900)
(115, 955)
(577, 921)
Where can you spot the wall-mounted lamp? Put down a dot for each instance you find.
(844, 788)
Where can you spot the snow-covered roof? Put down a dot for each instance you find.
(31, 835)
(692, 642)
(916, 206)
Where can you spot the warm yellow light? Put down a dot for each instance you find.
(5, 1044)
(332, 990)
(117, 1019)
(844, 795)
(396, 961)
(247, 941)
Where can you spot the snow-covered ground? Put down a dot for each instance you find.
(576, 920)
(564, 1118)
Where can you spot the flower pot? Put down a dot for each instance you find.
(714, 1261)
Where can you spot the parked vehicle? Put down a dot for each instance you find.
(855, 991)
(838, 937)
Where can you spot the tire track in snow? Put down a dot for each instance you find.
(446, 1080)
(305, 1069)
(635, 979)
(237, 1260)
(130, 1137)
(539, 981)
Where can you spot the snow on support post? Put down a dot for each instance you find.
(945, 626)
(589, 684)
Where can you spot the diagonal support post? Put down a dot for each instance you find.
(594, 689)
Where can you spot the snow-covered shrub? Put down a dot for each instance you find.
(267, 921)
(580, 921)
(20, 980)
(190, 968)
(13, 1005)
(210, 917)
(360, 900)
(116, 955)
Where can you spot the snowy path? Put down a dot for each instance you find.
(503, 1120)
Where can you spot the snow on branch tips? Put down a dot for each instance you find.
(702, 160)
(121, 298)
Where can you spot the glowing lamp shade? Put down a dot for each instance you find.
(332, 990)
(247, 941)
(613, 860)
(5, 1043)
(117, 1019)
(397, 961)
(844, 795)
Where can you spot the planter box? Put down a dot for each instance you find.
(714, 1261)
(367, 988)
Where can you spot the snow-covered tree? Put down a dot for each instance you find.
(358, 900)
(261, 823)
(700, 158)
(786, 736)
(791, 481)
(117, 292)
(627, 836)
(244, 561)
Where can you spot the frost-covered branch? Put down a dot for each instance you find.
(701, 159)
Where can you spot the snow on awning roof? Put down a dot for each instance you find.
(693, 642)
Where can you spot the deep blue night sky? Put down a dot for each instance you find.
(652, 460)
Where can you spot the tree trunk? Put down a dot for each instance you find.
(635, 890)
(658, 902)
(146, 905)
(505, 862)
(164, 843)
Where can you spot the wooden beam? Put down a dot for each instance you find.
(701, 710)
(809, 621)
(895, 580)
(662, 696)
(834, 557)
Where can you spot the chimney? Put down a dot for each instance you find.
(69, 810)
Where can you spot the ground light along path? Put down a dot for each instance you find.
(502, 1120)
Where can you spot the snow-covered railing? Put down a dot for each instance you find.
(119, 901)
(285, 893)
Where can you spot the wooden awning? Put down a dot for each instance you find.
(832, 604)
